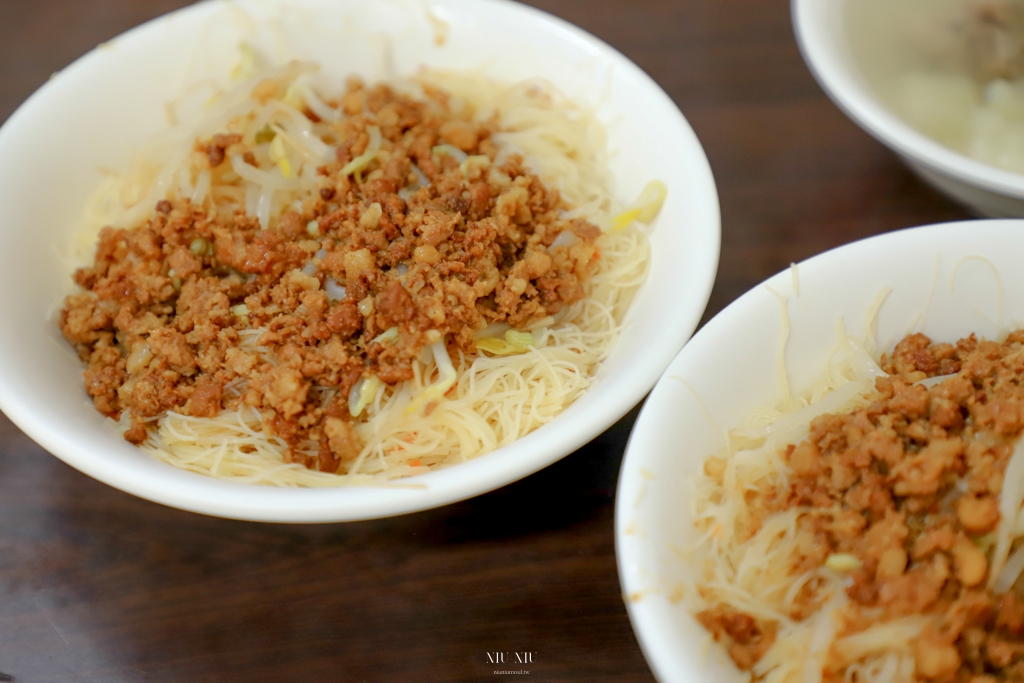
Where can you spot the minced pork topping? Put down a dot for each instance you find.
(431, 240)
(906, 490)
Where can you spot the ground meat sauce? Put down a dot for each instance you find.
(910, 485)
(166, 305)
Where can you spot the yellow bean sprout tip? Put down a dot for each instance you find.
(293, 97)
(520, 339)
(646, 207)
(279, 153)
(843, 562)
(651, 200)
(246, 66)
(359, 163)
(625, 218)
(277, 148)
(513, 343)
(435, 392)
(362, 395)
(492, 345)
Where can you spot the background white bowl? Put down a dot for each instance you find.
(95, 112)
(731, 364)
(821, 33)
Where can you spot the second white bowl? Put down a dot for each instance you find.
(946, 280)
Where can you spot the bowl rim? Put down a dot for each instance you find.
(480, 475)
(845, 88)
(653, 641)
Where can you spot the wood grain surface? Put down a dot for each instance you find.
(96, 585)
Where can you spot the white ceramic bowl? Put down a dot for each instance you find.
(731, 364)
(101, 107)
(821, 34)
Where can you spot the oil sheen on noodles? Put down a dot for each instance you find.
(483, 402)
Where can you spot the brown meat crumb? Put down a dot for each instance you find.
(746, 638)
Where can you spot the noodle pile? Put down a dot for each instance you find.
(752, 572)
(475, 403)
(940, 600)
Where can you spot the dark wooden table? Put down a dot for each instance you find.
(96, 585)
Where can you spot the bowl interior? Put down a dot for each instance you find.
(824, 42)
(946, 280)
(98, 110)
